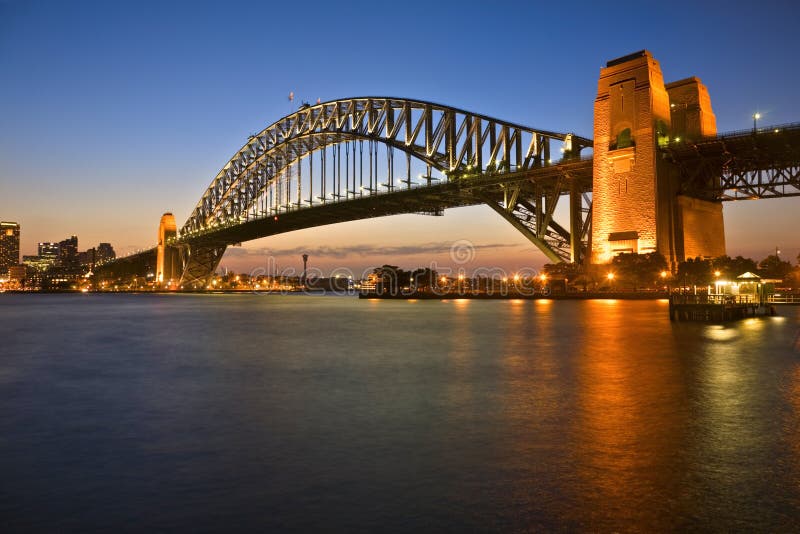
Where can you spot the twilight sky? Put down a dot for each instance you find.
(113, 112)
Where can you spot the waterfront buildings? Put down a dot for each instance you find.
(9, 246)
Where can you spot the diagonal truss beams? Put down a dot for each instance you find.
(444, 138)
(200, 262)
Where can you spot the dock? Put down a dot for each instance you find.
(689, 307)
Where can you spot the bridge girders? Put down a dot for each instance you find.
(742, 165)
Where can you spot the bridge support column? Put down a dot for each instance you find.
(200, 262)
(635, 190)
(167, 269)
(575, 224)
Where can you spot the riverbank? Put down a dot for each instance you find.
(588, 295)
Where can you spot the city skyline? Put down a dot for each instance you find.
(105, 131)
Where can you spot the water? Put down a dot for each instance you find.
(293, 413)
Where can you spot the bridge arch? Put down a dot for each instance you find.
(442, 138)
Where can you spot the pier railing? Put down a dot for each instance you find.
(713, 299)
(784, 299)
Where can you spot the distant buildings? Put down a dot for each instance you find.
(57, 264)
(105, 252)
(68, 253)
(9, 246)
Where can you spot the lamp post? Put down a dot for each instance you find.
(756, 116)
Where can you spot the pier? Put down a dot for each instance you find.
(705, 307)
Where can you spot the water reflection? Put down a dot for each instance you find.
(632, 416)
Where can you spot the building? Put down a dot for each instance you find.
(68, 253)
(9, 245)
(87, 258)
(16, 273)
(39, 264)
(49, 251)
(105, 252)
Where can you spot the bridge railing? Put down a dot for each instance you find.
(764, 130)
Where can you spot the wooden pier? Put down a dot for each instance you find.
(716, 307)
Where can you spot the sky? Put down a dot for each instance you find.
(112, 113)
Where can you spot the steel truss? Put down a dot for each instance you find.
(741, 165)
(530, 205)
(199, 260)
(302, 160)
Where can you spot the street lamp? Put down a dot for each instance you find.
(756, 116)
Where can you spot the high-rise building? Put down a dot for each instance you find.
(9, 245)
(87, 258)
(68, 253)
(105, 252)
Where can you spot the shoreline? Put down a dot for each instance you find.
(651, 295)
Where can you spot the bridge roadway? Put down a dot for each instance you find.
(741, 165)
(457, 191)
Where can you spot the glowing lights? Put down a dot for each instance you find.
(516, 278)
(610, 277)
(543, 277)
(664, 275)
(717, 274)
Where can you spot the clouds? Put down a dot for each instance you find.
(363, 249)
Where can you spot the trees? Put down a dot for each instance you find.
(424, 278)
(730, 268)
(774, 267)
(695, 272)
(391, 279)
(638, 269)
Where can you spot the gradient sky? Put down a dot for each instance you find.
(113, 112)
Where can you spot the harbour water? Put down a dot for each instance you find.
(318, 413)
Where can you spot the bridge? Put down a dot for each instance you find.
(655, 179)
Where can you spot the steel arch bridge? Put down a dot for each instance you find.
(365, 157)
